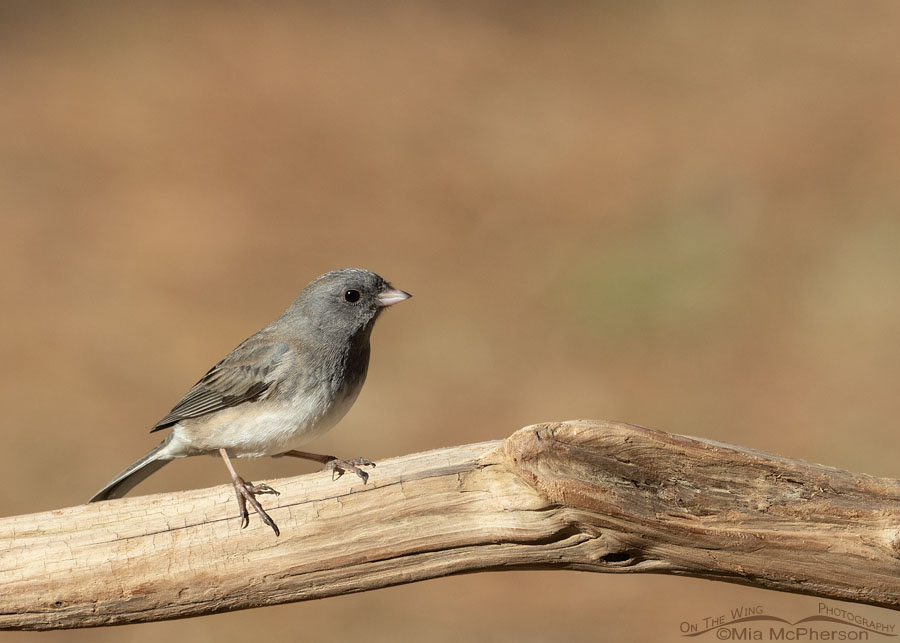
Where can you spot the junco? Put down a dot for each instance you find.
(283, 386)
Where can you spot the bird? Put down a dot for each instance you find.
(283, 386)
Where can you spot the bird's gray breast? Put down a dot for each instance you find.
(326, 392)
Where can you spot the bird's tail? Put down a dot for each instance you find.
(124, 482)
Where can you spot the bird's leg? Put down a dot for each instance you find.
(246, 492)
(337, 466)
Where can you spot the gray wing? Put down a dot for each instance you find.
(245, 375)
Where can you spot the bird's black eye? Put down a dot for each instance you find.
(352, 296)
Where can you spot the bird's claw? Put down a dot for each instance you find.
(340, 467)
(246, 492)
(260, 488)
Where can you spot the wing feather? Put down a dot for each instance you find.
(245, 375)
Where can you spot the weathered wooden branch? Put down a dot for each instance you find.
(594, 496)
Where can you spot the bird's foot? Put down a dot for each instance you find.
(340, 467)
(247, 492)
(337, 466)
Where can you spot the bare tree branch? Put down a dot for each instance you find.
(586, 495)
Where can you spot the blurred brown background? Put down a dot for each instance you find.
(679, 215)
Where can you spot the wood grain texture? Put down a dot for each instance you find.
(587, 495)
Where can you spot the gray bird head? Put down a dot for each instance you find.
(344, 302)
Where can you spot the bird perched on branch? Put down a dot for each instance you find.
(280, 388)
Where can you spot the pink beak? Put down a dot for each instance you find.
(390, 296)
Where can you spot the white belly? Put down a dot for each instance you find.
(253, 430)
